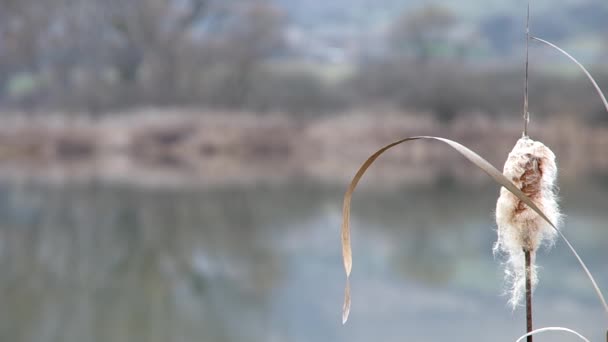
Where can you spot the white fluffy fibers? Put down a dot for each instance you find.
(531, 166)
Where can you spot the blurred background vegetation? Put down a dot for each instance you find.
(297, 57)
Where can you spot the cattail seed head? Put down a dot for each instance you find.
(531, 167)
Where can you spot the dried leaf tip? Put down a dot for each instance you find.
(346, 307)
(531, 167)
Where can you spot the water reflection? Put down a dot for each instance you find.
(120, 263)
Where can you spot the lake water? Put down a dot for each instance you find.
(100, 262)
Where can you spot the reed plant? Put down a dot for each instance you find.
(527, 211)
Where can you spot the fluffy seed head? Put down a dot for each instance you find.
(531, 166)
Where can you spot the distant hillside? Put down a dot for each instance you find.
(367, 11)
(583, 22)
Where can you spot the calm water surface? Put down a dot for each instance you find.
(101, 262)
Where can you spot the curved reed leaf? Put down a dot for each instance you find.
(597, 87)
(473, 157)
(542, 330)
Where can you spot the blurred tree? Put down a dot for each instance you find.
(169, 45)
(152, 32)
(22, 24)
(255, 33)
(423, 33)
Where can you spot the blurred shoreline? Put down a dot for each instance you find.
(191, 147)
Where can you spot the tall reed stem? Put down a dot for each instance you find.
(526, 110)
(528, 294)
(525, 134)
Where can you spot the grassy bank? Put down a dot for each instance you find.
(185, 146)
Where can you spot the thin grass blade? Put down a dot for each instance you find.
(597, 87)
(473, 157)
(542, 330)
(605, 102)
